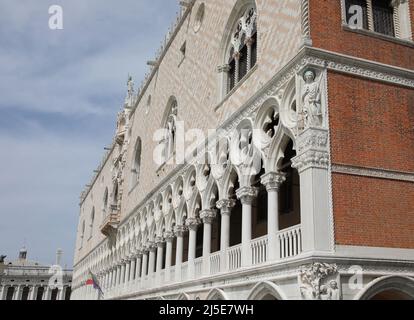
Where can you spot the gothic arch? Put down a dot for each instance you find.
(183, 296)
(210, 195)
(388, 288)
(217, 294)
(265, 289)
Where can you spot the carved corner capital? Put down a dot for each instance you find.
(273, 180)
(192, 223)
(247, 194)
(319, 281)
(312, 149)
(208, 215)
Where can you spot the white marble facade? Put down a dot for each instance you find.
(255, 221)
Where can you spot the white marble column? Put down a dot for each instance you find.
(2, 290)
(47, 293)
(144, 267)
(118, 274)
(123, 268)
(160, 259)
(151, 264)
(33, 293)
(169, 238)
(61, 294)
(132, 269)
(110, 280)
(17, 293)
(207, 216)
(272, 181)
(247, 196)
(138, 269)
(192, 224)
(236, 67)
(179, 231)
(225, 206)
(127, 271)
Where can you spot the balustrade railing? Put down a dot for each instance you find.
(184, 271)
(215, 262)
(290, 242)
(259, 250)
(234, 257)
(198, 266)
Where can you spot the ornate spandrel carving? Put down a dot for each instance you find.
(319, 281)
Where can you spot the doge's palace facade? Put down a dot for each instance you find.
(257, 160)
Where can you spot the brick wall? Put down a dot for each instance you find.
(327, 33)
(373, 212)
(372, 125)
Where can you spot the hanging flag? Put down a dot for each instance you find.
(93, 281)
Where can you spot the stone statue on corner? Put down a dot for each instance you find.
(311, 99)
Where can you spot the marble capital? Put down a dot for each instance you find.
(273, 180)
(192, 223)
(208, 215)
(225, 206)
(180, 230)
(247, 194)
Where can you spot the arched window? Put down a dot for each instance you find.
(105, 202)
(136, 164)
(92, 223)
(241, 52)
(82, 234)
(170, 125)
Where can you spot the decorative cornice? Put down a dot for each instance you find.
(373, 172)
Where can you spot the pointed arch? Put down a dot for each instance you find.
(265, 289)
(217, 294)
(388, 288)
(183, 296)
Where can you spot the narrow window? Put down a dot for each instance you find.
(383, 14)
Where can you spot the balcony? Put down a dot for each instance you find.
(111, 222)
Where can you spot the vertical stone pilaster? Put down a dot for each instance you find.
(312, 162)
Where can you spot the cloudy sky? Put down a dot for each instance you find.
(60, 91)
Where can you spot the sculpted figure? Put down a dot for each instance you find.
(311, 99)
